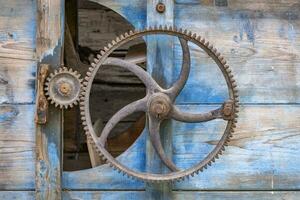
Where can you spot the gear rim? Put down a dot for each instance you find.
(71, 96)
(211, 51)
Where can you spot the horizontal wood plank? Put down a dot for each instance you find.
(17, 81)
(17, 29)
(261, 42)
(240, 195)
(17, 152)
(132, 195)
(262, 155)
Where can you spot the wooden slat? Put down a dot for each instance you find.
(260, 40)
(17, 51)
(262, 155)
(17, 81)
(133, 195)
(50, 33)
(130, 195)
(159, 48)
(254, 195)
(17, 143)
(17, 29)
(21, 195)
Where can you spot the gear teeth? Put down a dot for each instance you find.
(189, 35)
(52, 76)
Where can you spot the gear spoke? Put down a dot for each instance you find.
(184, 73)
(158, 104)
(136, 106)
(138, 71)
(154, 129)
(179, 115)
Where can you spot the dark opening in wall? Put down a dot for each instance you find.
(90, 27)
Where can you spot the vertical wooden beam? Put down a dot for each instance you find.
(50, 29)
(159, 65)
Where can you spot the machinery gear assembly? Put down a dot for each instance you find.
(63, 88)
(158, 104)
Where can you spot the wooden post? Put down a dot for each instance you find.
(159, 65)
(50, 32)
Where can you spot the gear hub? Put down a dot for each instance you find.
(159, 105)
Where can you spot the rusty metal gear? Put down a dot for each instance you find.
(158, 104)
(63, 87)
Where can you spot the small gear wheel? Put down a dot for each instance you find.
(63, 87)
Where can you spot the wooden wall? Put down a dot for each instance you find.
(261, 43)
(17, 94)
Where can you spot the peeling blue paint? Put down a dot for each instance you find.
(246, 27)
(136, 15)
(7, 113)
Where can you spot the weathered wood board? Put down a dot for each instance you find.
(261, 43)
(260, 40)
(17, 141)
(17, 83)
(135, 195)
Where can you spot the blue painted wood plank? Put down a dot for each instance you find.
(223, 195)
(50, 34)
(262, 155)
(260, 42)
(177, 195)
(18, 29)
(17, 51)
(17, 81)
(17, 195)
(158, 49)
(130, 195)
(17, 152)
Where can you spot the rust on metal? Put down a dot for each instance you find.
(42, 103)
(160, 7)
(159, 104)
(63, 87)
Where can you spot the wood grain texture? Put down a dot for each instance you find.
(17, 152)
(260, 41)
(135, 195)
(159, 48)
(17, 29)
(17, 81)
(262, 155)
(17, 51)
(184, 195)
(50, 33)
(238, 195)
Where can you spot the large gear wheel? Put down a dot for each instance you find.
(159, 105)
(63, 88)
